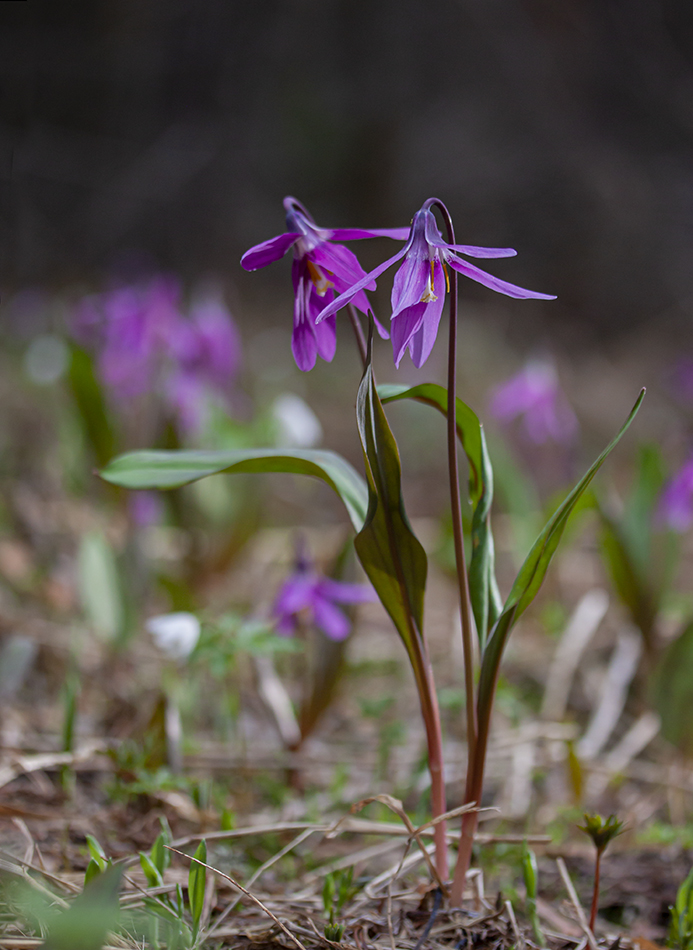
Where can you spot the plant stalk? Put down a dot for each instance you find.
(595, 892)
(469, 820)
(358, 333)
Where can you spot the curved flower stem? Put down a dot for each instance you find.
(466, 615)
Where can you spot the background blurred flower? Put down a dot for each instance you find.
(175, 634)
(297, 425)
(311, 594)
(535, 395)
(676, 502)
(145, 342)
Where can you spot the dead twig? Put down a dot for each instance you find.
(247, 893)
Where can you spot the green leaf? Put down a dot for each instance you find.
(151, 871)
(388, 549)
(152, 469)
(197, 879)
(483, 589)
(85, 925)
(99, 585)
(97, 852)
(532, 573)
(93, 870)
(640, 561)
(159, 855)
(91, 406)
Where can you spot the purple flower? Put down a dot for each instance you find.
(535, 395)
(146, 343)
(145, 507)
(676, 501)
(320, 269)
(129, 326)
(205, 352)
(306, 590)
(418, 293)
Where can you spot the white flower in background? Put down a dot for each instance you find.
(175, 634)
(297, 425)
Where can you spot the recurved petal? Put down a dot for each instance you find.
(355, 234)
(263, 254)
(494, 283)
(349, 295)
(471, 251)
(346, 593)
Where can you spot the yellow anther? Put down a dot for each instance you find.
(428, 295)
(322, 284)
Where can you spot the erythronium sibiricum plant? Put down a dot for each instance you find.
(390, 553)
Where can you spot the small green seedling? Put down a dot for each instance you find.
(337, 890)
(681, 927)
(99, 862)
(529, 873)
(602, 832)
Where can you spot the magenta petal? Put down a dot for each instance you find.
(349, 295)
(471, 251)
(330, 619)
(411, 281)
(493, 283)
(296, 594)
(263, 254)
(355, 234)
(326, 338)
(422, 341)
(361, 302)
(345, 593)
(304, 346)
(403, 328)
(341, 263)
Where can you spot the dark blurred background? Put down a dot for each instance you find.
(173, 128)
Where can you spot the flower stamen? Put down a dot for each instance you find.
(429, 295)
(322, 284)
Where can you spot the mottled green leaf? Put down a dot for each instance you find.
(151, 469)
(388, 549)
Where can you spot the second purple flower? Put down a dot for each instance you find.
(418, 293)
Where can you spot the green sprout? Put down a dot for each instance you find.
(680, 935)
(601, 831)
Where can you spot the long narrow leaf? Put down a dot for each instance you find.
(151, 469)
(486, 602)
(532, 573)
(388, 549)
(197, 881)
